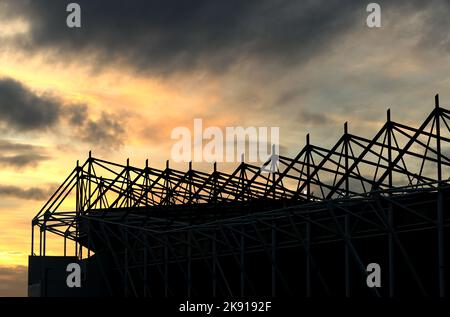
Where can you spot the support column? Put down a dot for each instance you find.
(391, 241)
(440, 207)
(308, 224)
(44, 238)
(347, 227)
(65, 244)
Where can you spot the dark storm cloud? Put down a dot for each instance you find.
(165, 36)
(23, 110)
(32, 193)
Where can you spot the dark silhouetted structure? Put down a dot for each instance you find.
(308, 229)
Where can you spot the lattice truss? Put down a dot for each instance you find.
(398, 156)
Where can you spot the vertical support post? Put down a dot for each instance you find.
(78, 204)
(44, 238)
(77, 198)
(346, 142)
(147, 182)
(101, 194)
(440, 211)
(347, 217)
(190, 182)
(128, 198)
(65, 244)
(76, 248)
(90, 179)
(273, 170)
(274, 234)
(214, 197)
(166, 183)
(242, 176)
(308, 172)
(308, 225)
(438, 136)
(40, 241)
(391, 241)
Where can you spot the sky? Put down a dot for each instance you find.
(135, 70)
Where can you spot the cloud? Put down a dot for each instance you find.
(32, 193)
(166, 36)
(435, 27)
(21, 160)
(106, 131)
(6, 145)
(23, 110)
(77, 114)
(13, 281)
(315, 118)
(19, 155)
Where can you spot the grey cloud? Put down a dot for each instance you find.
(22, 160)
(11, 146)
(32, 193)
(168, 36)
(435, 27)
(287, 97)
(23, 110)
(315, 118)
(106, 131)
(77, 114)
(20, 155)
(164, 36)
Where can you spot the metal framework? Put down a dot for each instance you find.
(308, 228)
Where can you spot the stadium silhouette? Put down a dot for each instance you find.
(309, 228)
